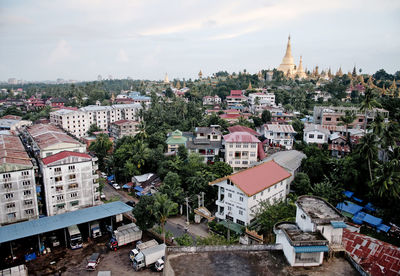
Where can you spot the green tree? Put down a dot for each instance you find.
(143, 213)
(163, 208)
(101, 146)
(93, 128)
(185, 240)
(346, 120)
(169, 93)
(367, 148)
(215, 239)
(172, 187)
(301, 184)
(220, 169)
(387, 180)
(328, 191)
(266, 116)
(182, 152)
(368, 103)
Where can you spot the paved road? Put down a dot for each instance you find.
(177, 230)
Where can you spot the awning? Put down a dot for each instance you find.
(139, 189)
(338, 224)
(232, 226)
(310, 249)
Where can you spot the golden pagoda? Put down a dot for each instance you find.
(339, 73)
(112, 98)
(300, 71)
(166, 80)
(287, 66)
(260, 76)
(370, 83)
(360, 79)
(250, 87)
(200, 75)
(184, 84)
(178, 85)
(329, 73)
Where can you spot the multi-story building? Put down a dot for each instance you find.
(78, 122)
(175, 139)
(235, 99)
(315, 134)
(211, 100)
(279, 135)
(18, 199)
(207, 142)
(123, 128)
(241, 149)
(259, 101)
(239, 194)
(46, 140)
(330, 115)
(70, 181)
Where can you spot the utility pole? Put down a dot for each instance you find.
(187, 210)
(198, 201)
(202, 199)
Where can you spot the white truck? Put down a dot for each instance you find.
(149, 256)
(140, 247)
(125, 234)
(95, 229)
(74, 237)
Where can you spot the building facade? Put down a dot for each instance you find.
(70, 182)
(279, 135)
(241, 150)
(18, 200)
(207, 142)
(123, 128)
(259, 101)
(239, 194)
(78, 122)
(315, 134)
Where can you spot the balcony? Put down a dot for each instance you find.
(220, 202)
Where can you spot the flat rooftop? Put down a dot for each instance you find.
(298, 237)
(318, 209)
(243, 261)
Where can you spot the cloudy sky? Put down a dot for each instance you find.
(144, 39)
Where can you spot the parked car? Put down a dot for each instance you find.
(93, 261)
(102, 195)
(130, 203)
(116, 186)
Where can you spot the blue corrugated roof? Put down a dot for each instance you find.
(374, 221)
(311, 248)
(349, 207)
(348, 194)
(383, 227)
(47, 224)
(338, 224)
(359, 217)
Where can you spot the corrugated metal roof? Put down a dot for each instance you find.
(312, 248)
(338, 224)
(240, 137)
(47, 224)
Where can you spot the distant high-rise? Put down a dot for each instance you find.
(12, 81)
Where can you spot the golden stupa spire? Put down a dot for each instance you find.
(178, 85)
(329, 73)
(339, 73)
(370, 83)
(112, 98)
(393, 86)
(300, 71)
(200, 75)
(287, 66)
(166, 80)
(250, 87)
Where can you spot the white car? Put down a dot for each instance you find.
(102, 195)
(116, 186)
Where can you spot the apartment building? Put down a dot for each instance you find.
(241, 149)
(18, 201)
(315, 134)
(70, 181)
(239, 194)
(123, 128)
(207, 142)
(211, 100)
(259, 101)
(77, 122)
(279, 135)
(236, 99)
(46, 140)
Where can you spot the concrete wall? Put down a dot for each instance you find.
(304, 221)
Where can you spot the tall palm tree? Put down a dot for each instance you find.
(387, 179)
(368, 149)
(163, 208)
(378, 125)
(346, 120)
(368, 103)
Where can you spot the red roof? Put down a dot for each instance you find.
(374, 256)
(12, 117)
(239, 128)
(240, 137)
(236, 93)
(258, 178)
(62, 155)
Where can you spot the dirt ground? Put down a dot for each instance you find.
(73, 262)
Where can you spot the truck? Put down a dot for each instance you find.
(95, 229)
(74, 237)
(149, 256)
(140, 247)
(125, 234)
(93, 261)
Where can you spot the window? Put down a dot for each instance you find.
(245, 162)
(58, 178)
(74, 203)
(328, 119)
(230, 154)
(245, 145)
(238, 145)
(10, 205)
(71, 168)
(59, 188)
(26, 183)
(27, 192)
(245, 153)
(6, 175)
(7, 186)
(11, 216)
(252, 154)
(229, 195)
(9, 195)
(240, 212)
(60, 197)
(276, 186)
(262, 193)
(28, 202)
(74, 194)
(231, 145)
(238, 221)
(72, 176)
(253, 145)
(24, 173)
(237, 162)
(320, 137)
(73, 186)
(255, 197)
(229, 208)
(311, 136)
(29, 212)
(241, 199)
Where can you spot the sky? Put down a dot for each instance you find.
(144, 39)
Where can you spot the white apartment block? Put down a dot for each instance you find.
(239, 194)
(46, 140)
(211, 100)
(315, 134)
(241, 150)
(70, 182)
(77, 122)
(18, 201)
(279, 135)
(123, 128)
(259, 101)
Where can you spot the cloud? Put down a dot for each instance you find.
(62, 52)
(122, 56)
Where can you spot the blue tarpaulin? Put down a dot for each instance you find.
(38, 189)
(359, 217)
(30, 257)
(357, 199)
(383, 227)
(348, 194)
(374, 221)
(370, 207)
(111, 177)
(349, 207)
(312, 248)
(139, 189)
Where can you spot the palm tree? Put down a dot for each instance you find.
(368, 149)
(346, 120)
(387, 179)
(367, 104)
(378, 125)
(163, 208)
